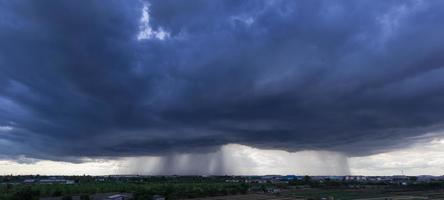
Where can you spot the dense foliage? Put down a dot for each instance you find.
(142, 190)
(182, 187)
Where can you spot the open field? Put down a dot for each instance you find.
(250, 196)
(314, 194)
(215, 188)
(336, 194)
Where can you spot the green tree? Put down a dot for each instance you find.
(307, 179)
(25, 193)
(84, 197)
(67, 198)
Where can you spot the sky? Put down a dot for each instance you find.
(221, 87)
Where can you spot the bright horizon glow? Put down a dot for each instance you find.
(418, 159)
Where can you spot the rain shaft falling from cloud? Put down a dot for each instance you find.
(93, 79)
(234, 159)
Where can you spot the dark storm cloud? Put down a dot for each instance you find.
(357, 77)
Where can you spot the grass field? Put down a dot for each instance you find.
(216, 189)
(344, 194)
(142, 190)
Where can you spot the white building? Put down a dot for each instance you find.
(29, 181)
(117, 197)
(355, 178)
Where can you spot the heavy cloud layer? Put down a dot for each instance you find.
(127, 78)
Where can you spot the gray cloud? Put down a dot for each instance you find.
(355, 77)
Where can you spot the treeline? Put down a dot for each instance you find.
(180, 191)
(152, 179)
(411, 183)
(140, 190)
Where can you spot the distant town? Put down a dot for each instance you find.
(125, 187)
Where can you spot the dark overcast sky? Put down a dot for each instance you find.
(357, 77)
